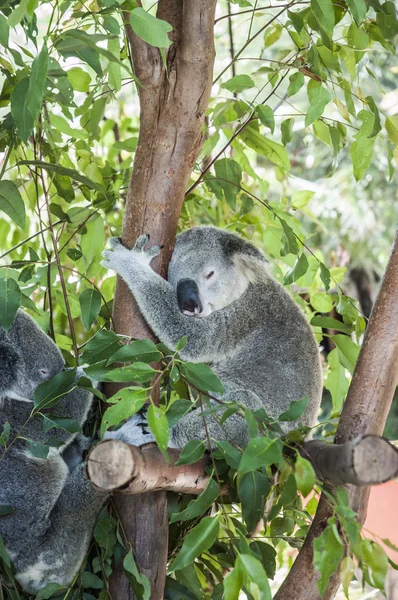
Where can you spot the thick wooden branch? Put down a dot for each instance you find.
(367, 460)
(365, 411)
(113, 466)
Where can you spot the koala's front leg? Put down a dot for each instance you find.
(157, 301)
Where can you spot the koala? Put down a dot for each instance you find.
(54, 505)
(237, 318)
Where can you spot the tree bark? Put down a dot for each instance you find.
(365, 412)
(173, 106)
(113, 466)
(367, 460)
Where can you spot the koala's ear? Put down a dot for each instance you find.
(233, 245)
(9, 366)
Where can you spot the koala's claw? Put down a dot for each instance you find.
(115, 242)
(141, 242)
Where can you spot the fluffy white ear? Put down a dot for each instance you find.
(251, 267)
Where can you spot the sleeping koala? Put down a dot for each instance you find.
(55, 506)
(237, 319)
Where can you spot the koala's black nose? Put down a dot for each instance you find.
(188, 297)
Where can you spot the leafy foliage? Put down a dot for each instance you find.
(298, 130)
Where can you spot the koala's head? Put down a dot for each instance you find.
(27, 357)
(211, 268)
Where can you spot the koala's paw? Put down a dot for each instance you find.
(134, 432)
(119, 257)
(145, 255)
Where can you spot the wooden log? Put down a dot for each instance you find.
(367, 460)
(114, 466)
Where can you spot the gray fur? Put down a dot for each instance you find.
(55, 505)
(250, 331)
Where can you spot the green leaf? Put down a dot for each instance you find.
(325, 276)
(74, 254)
(138, 581)
(89, 580)
(5, 434)
(298, 270)
(260, 452)
(322, 302)
(254, 577)
(392, 128)
(347, 570)
(150, 29)
(114, 68)
(296, 82)
(129, 144)
(295, 410)
(72, 173)
(93, 241)
(287, 130)
(336, 381)
(137, 371)
(198, 540)
(323, 12)
(90, 305)
(3, 553)
(49, 393)
(272, 34)
(65, 423)
(276, 153)
(28, 94)
(375, 111)
(10, 301)
(11, 202)
(6, 510)
(348, 351)
(159, 426)
(328, 552)
(331, 323)
(230, 454)
(4, 31)
(230, 177)
(238, 83)
(266, 116)
(139, 350)
(202, 377)
(318, 97)
(289, 240)
(101, 346)
(79, 79)
(358, 10)
(304, 474)
(357, 38)
(79, 43)
(253, 489)
(105, 535)
(197, 507)
(192, 452)
(130, 401)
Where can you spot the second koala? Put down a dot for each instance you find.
(238, 319)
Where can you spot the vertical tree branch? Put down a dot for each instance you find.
(365, 412)
(173, 106)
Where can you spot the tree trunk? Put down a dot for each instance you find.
(365, 412)
(173, 106)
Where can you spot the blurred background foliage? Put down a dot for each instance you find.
(300, 156)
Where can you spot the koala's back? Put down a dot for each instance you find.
(278, 358)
